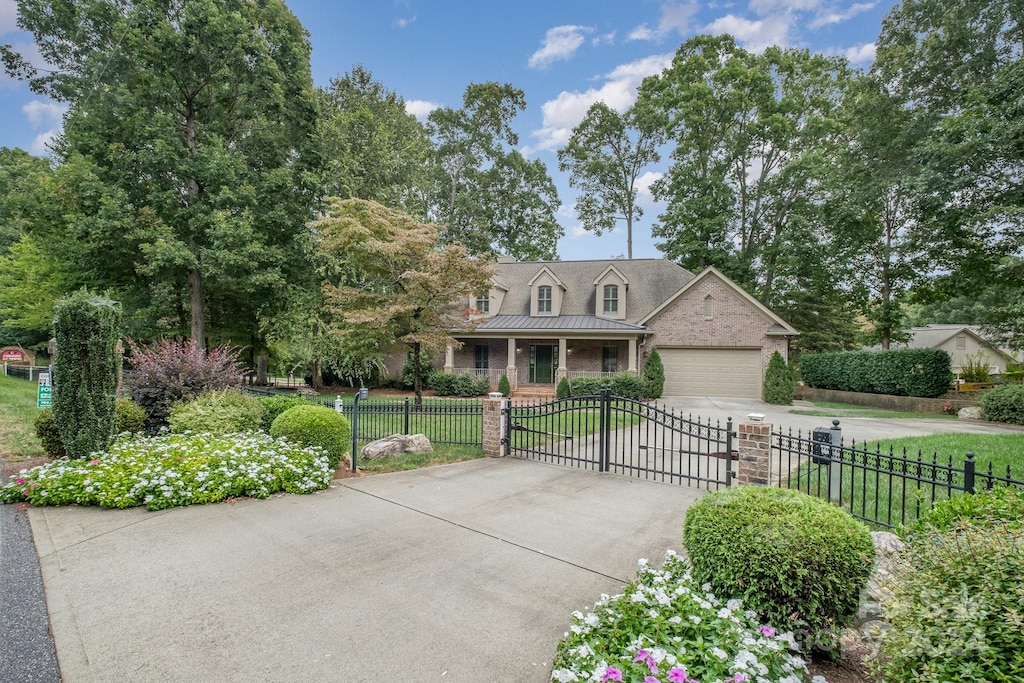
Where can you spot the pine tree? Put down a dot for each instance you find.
(778, 381)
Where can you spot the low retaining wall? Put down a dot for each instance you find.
(907, 404)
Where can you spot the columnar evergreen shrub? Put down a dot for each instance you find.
(654, 375)
(1004, 404)
(778, 382)
(224, 411)
(275, 405)
(562, 390)
(170, 371)
(504, 387)
(924, 373)
(797, 561)
(312, 425)
(85, 371)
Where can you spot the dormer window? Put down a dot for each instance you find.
(483, 304)
(611, 299)
(544, 299)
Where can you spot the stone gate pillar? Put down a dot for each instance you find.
(493, 425)
(754, 447)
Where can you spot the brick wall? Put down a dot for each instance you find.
(493, 427)
(754, 447)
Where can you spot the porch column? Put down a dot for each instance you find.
(632, 356)
(562, 371)
(510, 370)
(449, 358)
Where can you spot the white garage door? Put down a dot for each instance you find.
(712, 372)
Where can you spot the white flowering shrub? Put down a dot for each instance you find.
(664, 628)
(174, 469)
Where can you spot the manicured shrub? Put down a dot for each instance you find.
(586, 386)
(956, 608)
(627, 385)
(128, 417)
(562, 390)
(1004, 505)
(899, 372)
(504, 387)
(224, 411)
(1004, 404)
(462, 384)
(169, 371)
(797, 561)
(778, 382)
(275, 405)
(653, 375)
(85, 371)
(46, 431)
(312, 425)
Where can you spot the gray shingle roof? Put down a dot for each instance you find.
(651, 282)
(556, 322)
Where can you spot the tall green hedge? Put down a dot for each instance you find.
(85, 371)
(654, 375)
(924, 373)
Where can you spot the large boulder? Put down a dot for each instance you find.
(969, 413)
(878, 590)
(396, 444)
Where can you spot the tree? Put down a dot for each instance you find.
(20, 175)
(489, 198)
(605, 156)
(653, 375)
(778, 381)
(404, 287)
(197, 114)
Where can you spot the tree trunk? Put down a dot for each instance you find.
(317, 381)
(417, 376)
(195, 305)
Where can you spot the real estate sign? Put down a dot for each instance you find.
(44, 394)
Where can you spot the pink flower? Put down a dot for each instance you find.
(641, 656)
(676, 675)
(612, 674)
(94, 462)
(739, 678)
(767, 631)
(20, 480)
(651, 679)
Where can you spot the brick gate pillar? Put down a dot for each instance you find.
(493, 425)
(754, 449)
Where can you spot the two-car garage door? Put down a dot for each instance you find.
(712, 372)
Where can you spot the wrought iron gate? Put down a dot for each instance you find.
(614, 434)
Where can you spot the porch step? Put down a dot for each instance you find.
(540, 392)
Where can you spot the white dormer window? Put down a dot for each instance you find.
(483, 304)
(544, 299)
(611, 299)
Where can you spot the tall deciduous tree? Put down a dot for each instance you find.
(404, 287)
(489, 198)
(605, 156)
(198, 113)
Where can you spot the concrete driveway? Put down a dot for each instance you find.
(466, 572)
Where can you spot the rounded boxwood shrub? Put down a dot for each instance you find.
(562, 390)
(1004, 404)
(275, 405)
(128, 417)
(798, 561)
(312, 425)
(227, 411)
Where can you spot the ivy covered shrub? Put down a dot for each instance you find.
(275, 405)
(796, 560)
(128, 418)
(170, 371)
(85, 371)
(956, 607)
(1004, 404)
(924, 373)
(653, 375)
(461, 384)
(223, 411)
(562, 390)
(504, 386)
(778, 382)
(312, 425)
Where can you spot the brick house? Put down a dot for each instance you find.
(542, 321)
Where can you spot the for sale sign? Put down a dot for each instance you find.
(44, 394)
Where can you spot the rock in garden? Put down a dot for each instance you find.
(395, 445)
(969, 413)
(878, 590)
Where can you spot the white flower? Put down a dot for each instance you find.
(694, 618)
(720, 653)
(563, 676)
(734, 604)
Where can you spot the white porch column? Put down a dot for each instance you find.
(510, 370)
(562, 371)
(633, 355)
(449, 358)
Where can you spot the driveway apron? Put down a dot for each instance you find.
(464, 572)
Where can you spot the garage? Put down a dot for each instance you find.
(712, 372)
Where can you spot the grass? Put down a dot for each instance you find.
(828, 409)
(883, 496)
(442, 455)
(17, 414)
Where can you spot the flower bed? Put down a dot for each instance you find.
(664, 628)
(170, 470)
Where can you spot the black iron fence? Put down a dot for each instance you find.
(884, 488)
(29, 372)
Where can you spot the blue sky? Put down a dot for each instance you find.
(565, 55)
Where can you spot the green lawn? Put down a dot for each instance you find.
(828, 409)
(443, 454)
(17, 414)
(873, 494)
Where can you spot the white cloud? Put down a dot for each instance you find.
(754, 35)
(563, 113)
(642, 32)
(560, 42)
(604, 39)
(643, 187)
(403, 22)
(44, 114)
(420, 108)
(764, 7)
(826, 18)
(40, 146)
(674, 17)
(860, 54)
(8, 16)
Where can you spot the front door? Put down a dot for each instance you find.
(542, 364)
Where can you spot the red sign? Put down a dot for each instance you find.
(12, 355)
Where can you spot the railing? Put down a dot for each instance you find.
(573, 374)
(887, 489)
(493, 375)
(29, 372)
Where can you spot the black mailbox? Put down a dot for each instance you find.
(821, 446)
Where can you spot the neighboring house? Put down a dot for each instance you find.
(542, 321)
(960, 342)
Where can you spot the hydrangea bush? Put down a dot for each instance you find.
(170, 470)
(664, 628)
